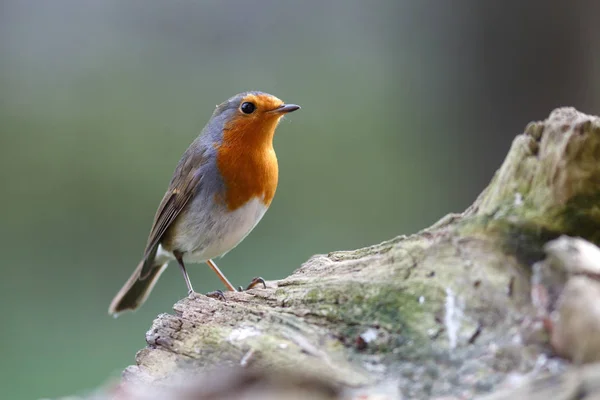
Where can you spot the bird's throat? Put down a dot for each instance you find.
(248, 166)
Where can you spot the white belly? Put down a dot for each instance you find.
(234, 227)
(203, 239)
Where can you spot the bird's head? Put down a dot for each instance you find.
(251, 117)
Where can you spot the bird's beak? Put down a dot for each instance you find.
(285, 108)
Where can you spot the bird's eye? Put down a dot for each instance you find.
(247, 107)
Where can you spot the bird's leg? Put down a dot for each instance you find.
(179, 258)
(221, 276)
(218, 294)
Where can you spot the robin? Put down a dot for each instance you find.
(221, 188)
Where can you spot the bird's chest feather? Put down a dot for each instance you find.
(209, 232)
(214, 223)
(247, 173)
(227, 230)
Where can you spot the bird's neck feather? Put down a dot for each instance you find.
(248, 164)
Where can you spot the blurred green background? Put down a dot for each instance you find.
(408, 109)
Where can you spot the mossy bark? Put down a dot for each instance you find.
(441, 312)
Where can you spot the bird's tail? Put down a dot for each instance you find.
(136, 290)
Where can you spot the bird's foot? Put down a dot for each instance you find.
(255, 281)
(193, 295)
(217, 294)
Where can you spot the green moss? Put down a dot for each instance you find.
(526, 241)
(524, 231)
(212, 335)
(581, 217)
(393, 309)
(314, 296)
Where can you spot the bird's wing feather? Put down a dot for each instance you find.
(182, 188)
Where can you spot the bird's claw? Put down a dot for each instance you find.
(217, 294)
(255, 281)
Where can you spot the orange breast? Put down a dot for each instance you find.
(247, 162)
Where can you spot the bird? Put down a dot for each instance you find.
(221, 188)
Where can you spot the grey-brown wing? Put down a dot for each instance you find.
(183, 186)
